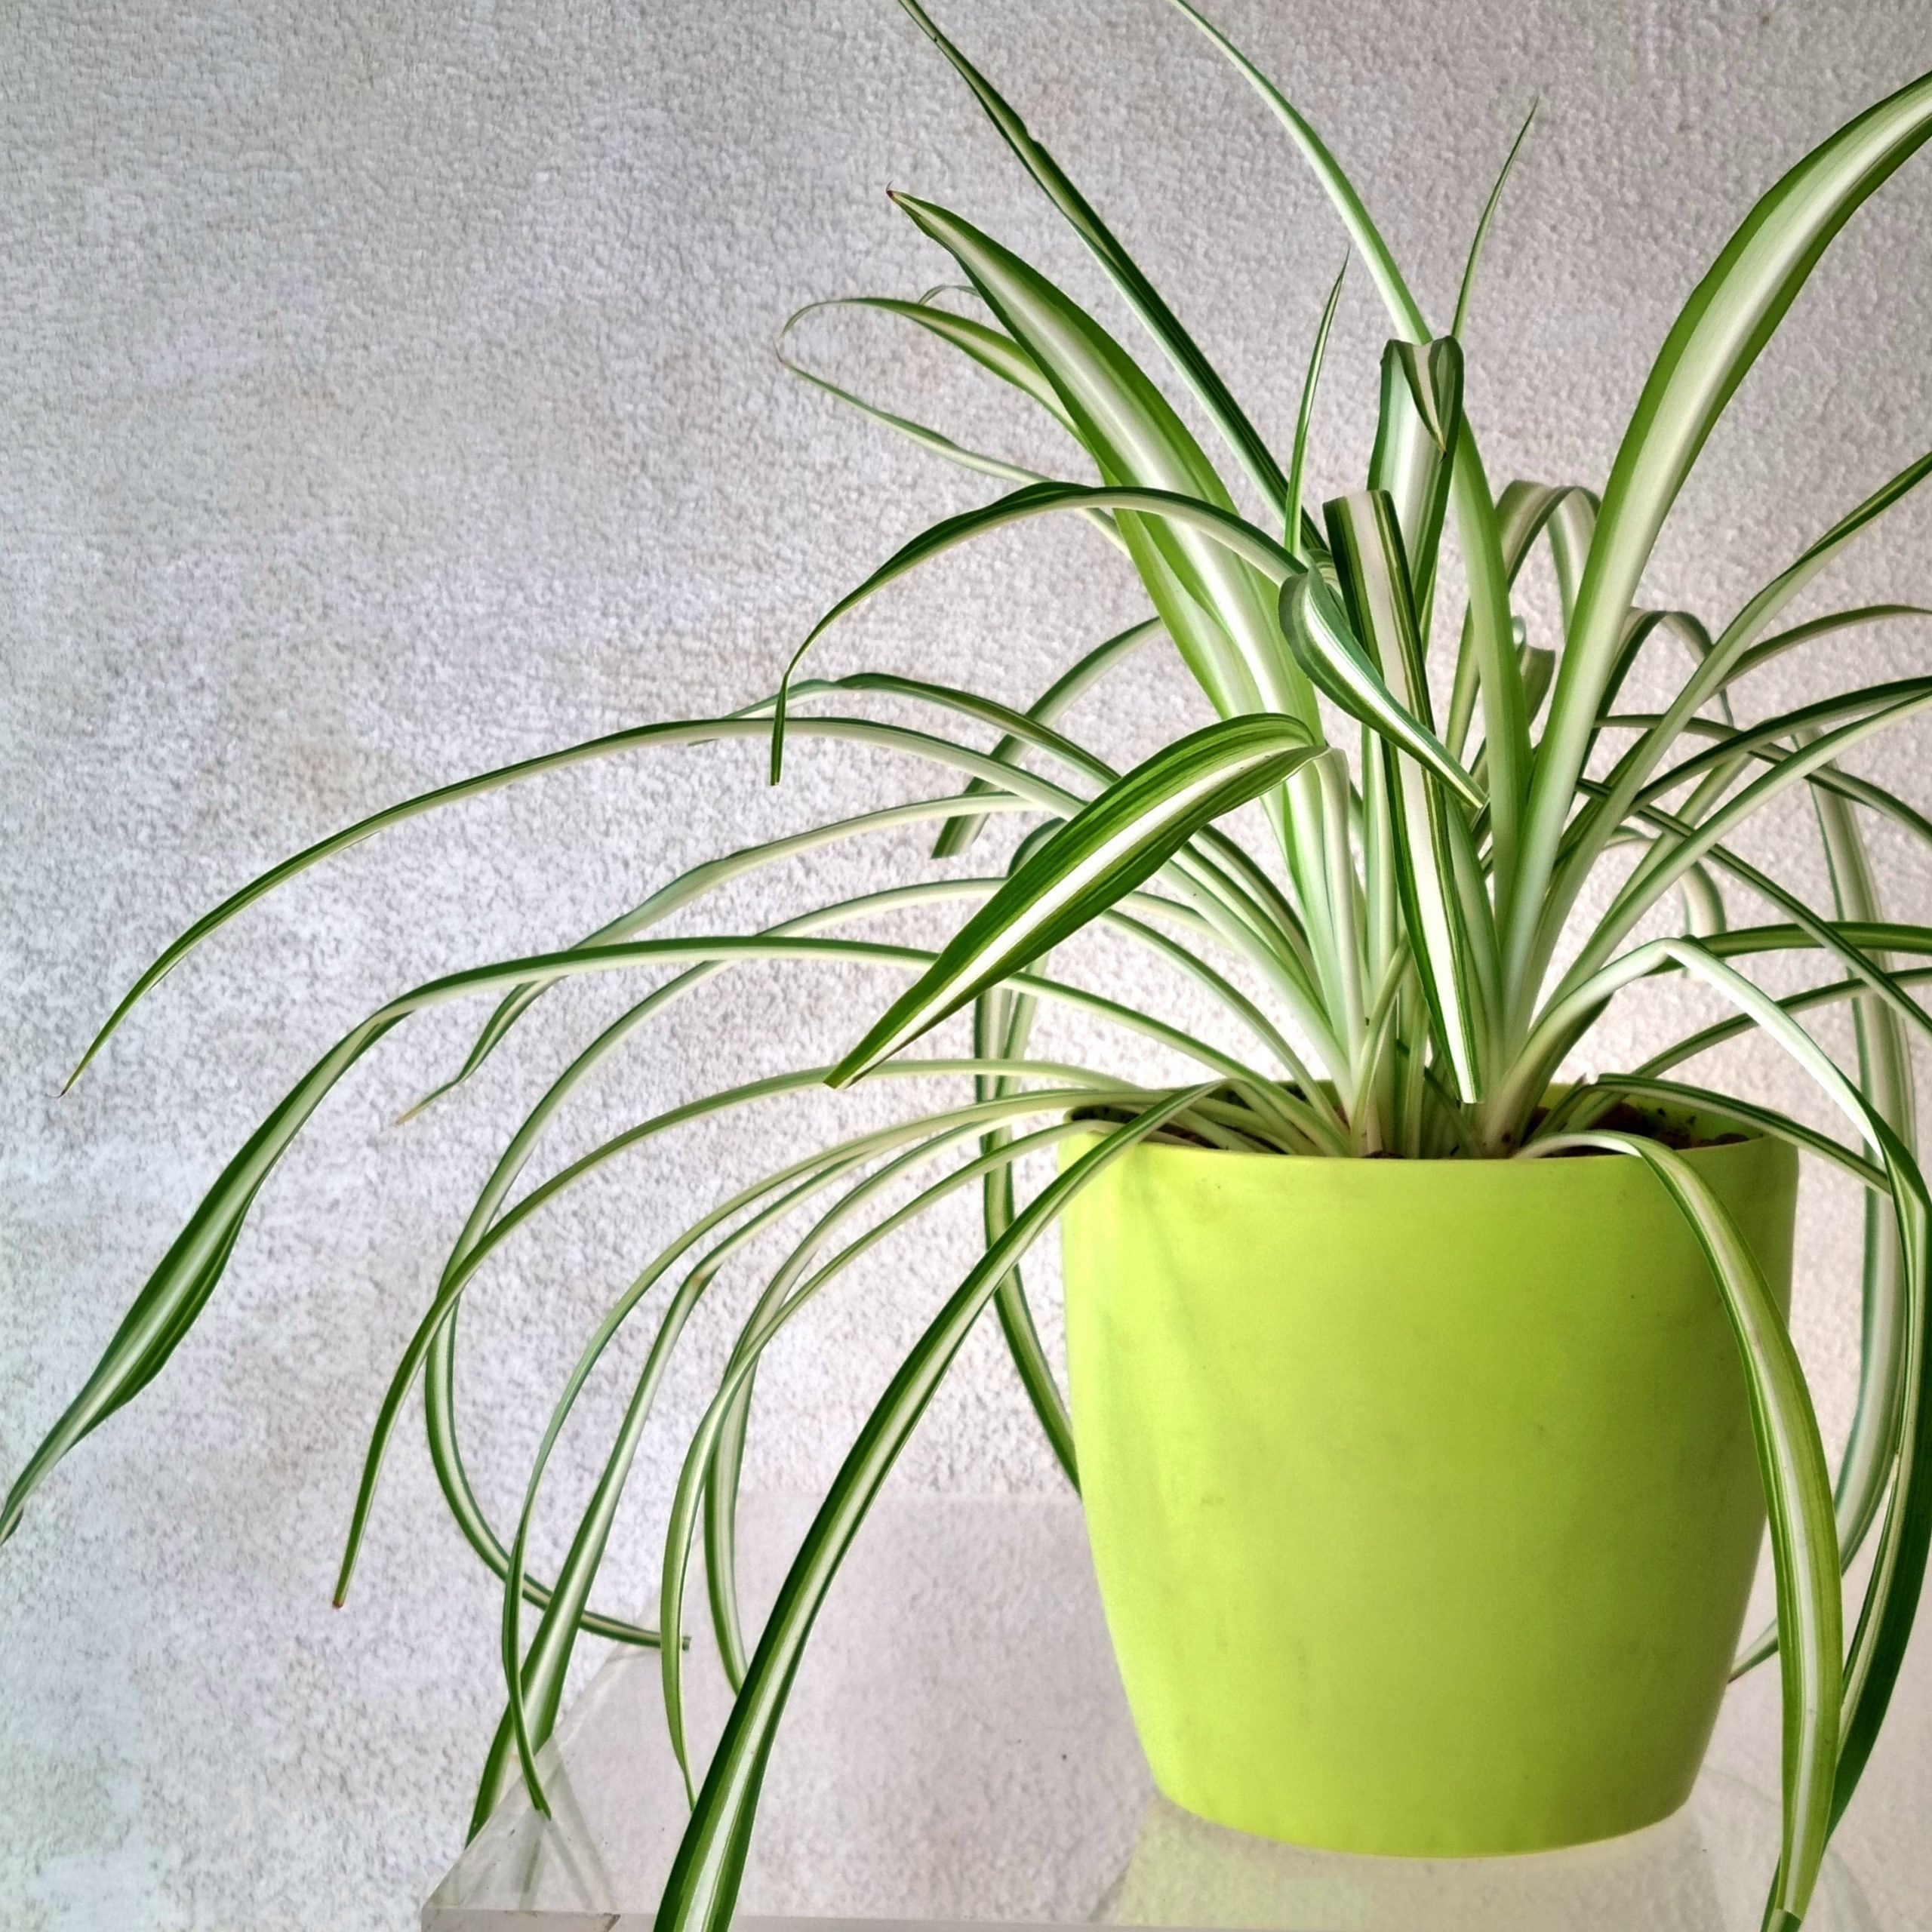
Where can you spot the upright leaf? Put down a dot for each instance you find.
(1489, 207)
(1723, 329)
(1293, 519)
(1142, 297)
(702, 1891)
(1415, 432)
(1366, 540)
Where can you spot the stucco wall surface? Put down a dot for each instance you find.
(388, 393)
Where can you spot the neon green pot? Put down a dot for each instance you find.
(1422, 1494)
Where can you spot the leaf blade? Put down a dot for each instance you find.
(1116, 841)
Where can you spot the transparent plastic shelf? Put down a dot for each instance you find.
(958, 1752)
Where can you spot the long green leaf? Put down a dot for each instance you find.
(676, 732)
(1292, 518)
(933, 441)
(538, 1680)
(991, 349)
(1135, 437)
(1365, 539)
(537, 1685)
(708, 877)
(1719, 663)
(1002, 1025)
(958, 833)
(1885, 1074)
(1763, 652)
(1612, 1087)
(785, 1295)
(1362, 230)
(1893, 1591)
(1742, 741)
(1491, 640)
(1566, 514)
(1723, 329)
(1707, 1037)
(1142, 297)
(1229, 889)
(1824, 778)
(1668, 863)
(1118, 840)
(1489, 207)
(175, 1293)
(460, 1498)
(1417, 427)
(439, 1381)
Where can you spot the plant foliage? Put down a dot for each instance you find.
(1461, 836)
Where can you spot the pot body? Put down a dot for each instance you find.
(1422, 1495)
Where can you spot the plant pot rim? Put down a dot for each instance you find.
(1745, 1140)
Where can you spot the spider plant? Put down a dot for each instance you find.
(1441, 803)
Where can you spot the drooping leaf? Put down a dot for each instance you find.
(179, 1289)
(958, 833)
(1797, 1497)
(1135, 437)
(702, 1891)
(1225, 529)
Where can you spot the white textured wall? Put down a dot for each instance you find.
(387, 393)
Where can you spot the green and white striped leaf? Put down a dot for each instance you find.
(1884, 1627)
(1723, 329)
(1489, 207)
(1124, 835)
(1293, 520)
(958, 833)
(1671, 859)
(1135, 437)
(1224, 529)
(1141, 296)
(1366, 541)
(1763, 652)
(702, 1891)
(176, 1293)
(1491, 647)
(1416, 430)
(1317, 628)
(1721, 662)
(991, 349)
(1797, 1497)
(1885, 1077)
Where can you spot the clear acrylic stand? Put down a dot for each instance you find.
(958, 1752)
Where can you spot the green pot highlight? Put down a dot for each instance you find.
(1422, 1493)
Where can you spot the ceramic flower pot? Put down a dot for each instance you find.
(1422, 1494)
